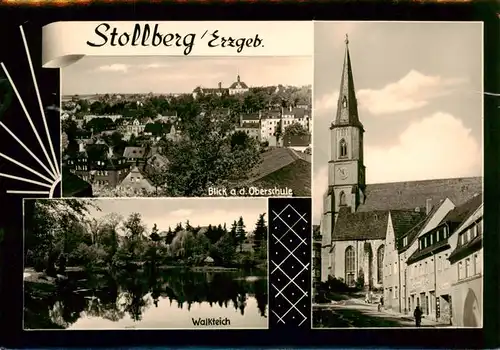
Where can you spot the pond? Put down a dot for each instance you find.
(163, 299)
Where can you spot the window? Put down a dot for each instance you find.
(480, 227)
(380, 263)
(350, 266)
(430, 237)
(460, 270)
(468, 271)
(342, 198)
(344, 102)
(440, 263)
(343, 148)
(420, 245)
(468, 235)
(477, 268)
(395, 292)
(405, 241)
(395, 267)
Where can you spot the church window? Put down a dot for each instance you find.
(343, 148)
(342, 198)
(344, 102)
(476, 265)
(380, 264)
(350, 266)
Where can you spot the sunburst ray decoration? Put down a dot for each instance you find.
(49, 165)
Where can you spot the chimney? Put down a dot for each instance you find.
(428, 206)
(220, 85)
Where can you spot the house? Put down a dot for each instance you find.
(106, 171)
(430, 267)
(135, 128)
(135, 155)
(269, 122)
(407, 244)
(282, 168)
(74, 186)
(467, 271)
(137, 182)
(238, 87)
(218, 91)
(299, 143)
(251, 129)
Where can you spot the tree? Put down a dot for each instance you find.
(260, 232)
(224, 250)
(179, 227)
(233, 233)
(155, 237)
(170, 236)
(134, 230)
(47, 223)
(204, 157)
(295, 129)
(240, 233)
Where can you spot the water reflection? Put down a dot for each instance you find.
(155, 299)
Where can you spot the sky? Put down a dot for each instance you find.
(165, 212)
(168, 74)
(419, 98)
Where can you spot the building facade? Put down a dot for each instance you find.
(466, 272)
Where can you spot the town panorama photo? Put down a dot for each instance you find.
(184, 127)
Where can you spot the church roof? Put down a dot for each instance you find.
(401, 199)
(360, 225)
(347, 107)
(411, 194)
(238, 84)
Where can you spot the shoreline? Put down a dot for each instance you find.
(32, 276)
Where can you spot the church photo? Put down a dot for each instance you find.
(398, 175)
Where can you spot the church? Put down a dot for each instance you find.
(363, 226)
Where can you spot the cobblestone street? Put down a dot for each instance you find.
(357, 314)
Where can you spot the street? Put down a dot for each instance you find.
(354, 313)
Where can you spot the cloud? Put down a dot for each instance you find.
(437, 146)
(181, 212)
(153, 66)
(116, 67)
(326, 102)
(413, 91)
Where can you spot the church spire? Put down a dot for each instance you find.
(347, 108)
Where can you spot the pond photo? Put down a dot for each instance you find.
(138, 263)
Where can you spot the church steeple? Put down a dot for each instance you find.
(347, 107)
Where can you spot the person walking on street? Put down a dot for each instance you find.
(418, 316)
